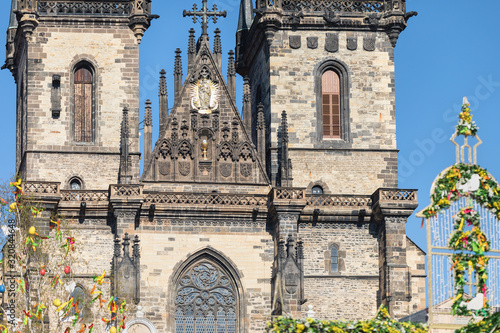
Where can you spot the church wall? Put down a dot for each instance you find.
(288, 82)
(114, 52)
(345, 171)
(416, 260)
(356, 284)
(371, 85)
(246, 244)
(97, 171)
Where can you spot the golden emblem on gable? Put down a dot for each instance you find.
(205, 96)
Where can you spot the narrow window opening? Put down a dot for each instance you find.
(331, 104)
(83, 98)
(317, 190)
(75, 184)
(334, 259)
(78, 296)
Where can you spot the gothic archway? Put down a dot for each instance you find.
(206, 295)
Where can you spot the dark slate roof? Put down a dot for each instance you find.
(246, 15)
(417, 317)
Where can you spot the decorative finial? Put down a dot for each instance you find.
(231, 70)
(148, 118)
(466, 127)
(217, 43)
(205, 15)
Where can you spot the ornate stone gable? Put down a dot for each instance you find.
(205, 139)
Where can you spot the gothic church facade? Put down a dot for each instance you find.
(236, 216)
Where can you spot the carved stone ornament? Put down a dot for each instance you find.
(246, 169)
(184, 168)
(369, 44)
(164, 167)
(292, 276)
(295, 42)
(352, 43)
(185, 149)
(312, 42)
(332, 42)
(226, 169)
(246, 152)
(331, 17)
(205, 96)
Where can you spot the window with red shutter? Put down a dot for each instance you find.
(330, 86)
(83, 97)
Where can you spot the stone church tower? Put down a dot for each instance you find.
(234, 218)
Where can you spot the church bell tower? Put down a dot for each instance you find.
(320, 92)
(77, 72)
(330, 66)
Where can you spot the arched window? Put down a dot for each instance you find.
(206, 300)
(332, 88)
(334, 259)
(317, 190)
(78, 295)
(83, 103)
(75, 184)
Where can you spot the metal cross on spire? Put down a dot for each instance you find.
(205, 15)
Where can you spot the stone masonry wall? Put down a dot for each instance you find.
(345, 171)
(293, 74)
(168, 243)
(55, 49)
(416, 260)
(352, 292)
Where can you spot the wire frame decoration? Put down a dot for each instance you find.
(463, 235)
(206, 300)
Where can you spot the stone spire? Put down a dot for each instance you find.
(177, 74)
(191, 49)
(163, 101)
(285, 163)
(247, 104)
(244, 23)
(13, 19)
(246, 15)
(231, 75)
(124, 177)
(148, 131)
(217, 48)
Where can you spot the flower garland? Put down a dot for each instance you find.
(477, 263)
(472, 240)
(382, 323)
(448, 189)
(467, 235)
(489, 323)
(466, 126)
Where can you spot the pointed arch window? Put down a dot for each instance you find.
(331, 104)
(206, 300)
(332, 91)
(83, 99)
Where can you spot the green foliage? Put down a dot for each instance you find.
(466, 126)
(382, 323)
(490, 324)
(446, 189)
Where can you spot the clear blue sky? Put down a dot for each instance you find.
(450, 50)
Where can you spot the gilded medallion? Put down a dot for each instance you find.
(205, 96)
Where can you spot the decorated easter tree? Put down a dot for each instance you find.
(41, 292)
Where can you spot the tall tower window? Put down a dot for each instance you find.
(334, 259)
(331, 104)
(83, 103)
